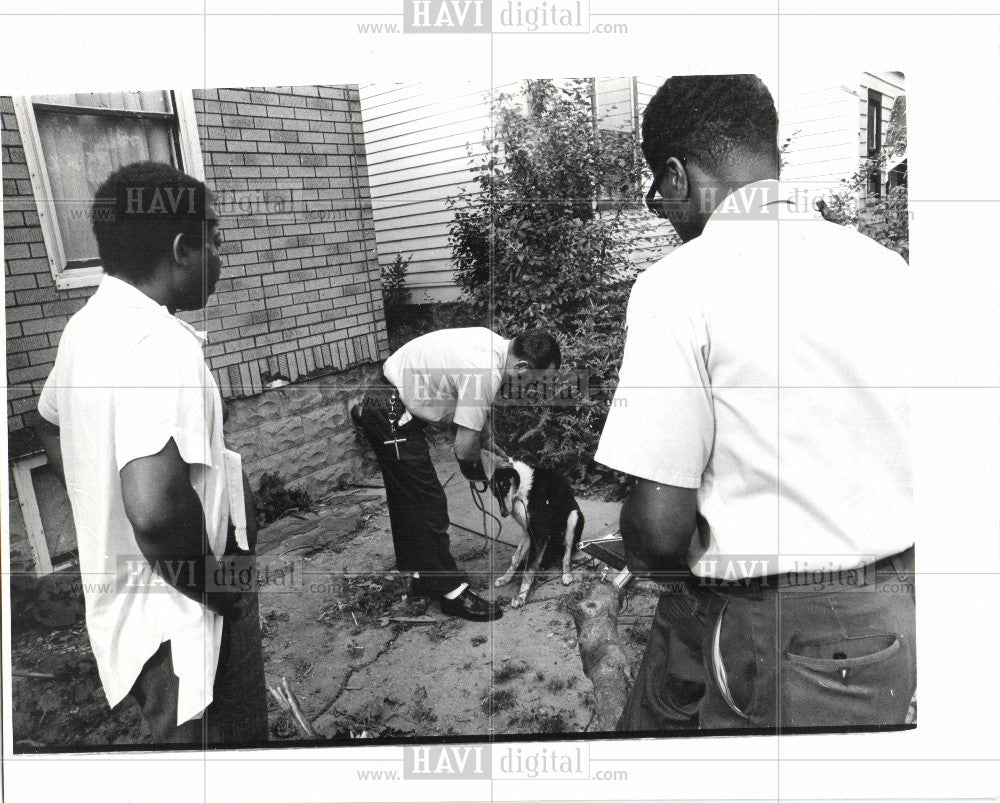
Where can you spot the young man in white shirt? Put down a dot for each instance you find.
(132, 420)
(762, 410)
(451, 376)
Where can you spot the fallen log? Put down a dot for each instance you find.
(601, 652)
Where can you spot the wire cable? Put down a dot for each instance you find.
(477, 500)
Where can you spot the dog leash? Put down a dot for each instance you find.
(477, 500)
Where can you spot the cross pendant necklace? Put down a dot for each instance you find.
(395, 440)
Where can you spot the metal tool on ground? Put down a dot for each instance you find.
(610, 550)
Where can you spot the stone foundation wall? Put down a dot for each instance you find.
(303, 432)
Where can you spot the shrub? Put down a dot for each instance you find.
(412, 320)
(884, 217)
(532, 251)
(394, 292)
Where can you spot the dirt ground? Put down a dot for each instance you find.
(363, 658)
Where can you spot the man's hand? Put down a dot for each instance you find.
(489, 444)
(828, 214)
(657, 524)
(467, 454)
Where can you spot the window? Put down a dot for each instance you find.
(874, 122)
(72, 143)
(874, 128)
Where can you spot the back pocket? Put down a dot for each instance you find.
(860, 681)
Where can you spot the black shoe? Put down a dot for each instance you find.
(470, 606)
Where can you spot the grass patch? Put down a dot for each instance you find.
(509, 671)
(366, 599)
(273, 500)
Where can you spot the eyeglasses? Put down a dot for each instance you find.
(657, 205)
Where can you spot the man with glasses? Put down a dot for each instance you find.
(763, 415)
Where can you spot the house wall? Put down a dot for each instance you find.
(300, 293)
(420, 139)
(829, 128)
(823, 127)
(615, 103)
(36, 312)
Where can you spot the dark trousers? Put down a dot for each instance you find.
(758, 656)
(418, 507)
(238, 711)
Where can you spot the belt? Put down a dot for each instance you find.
(381, 387)
(900, 564)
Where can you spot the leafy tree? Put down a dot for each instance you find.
(533, 251)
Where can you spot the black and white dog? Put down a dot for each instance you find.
(542, 502)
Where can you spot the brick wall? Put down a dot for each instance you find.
(36, 312)
(300, 293)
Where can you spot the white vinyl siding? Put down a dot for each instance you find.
(824, 135)
(829, 129)
(614, 104)
(418, 139)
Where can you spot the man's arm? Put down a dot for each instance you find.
(657, 524)
(467, 453)
(488, 442)
(48, 434)
(169, 524)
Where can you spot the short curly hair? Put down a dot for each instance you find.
(706, 116)
(539, 348)
(140, 209)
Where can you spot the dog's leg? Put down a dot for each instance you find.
(515, 561)
(527, 579)
(571, 526)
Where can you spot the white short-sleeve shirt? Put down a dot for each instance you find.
(128, 377)
(766, 365)
(450, 376)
